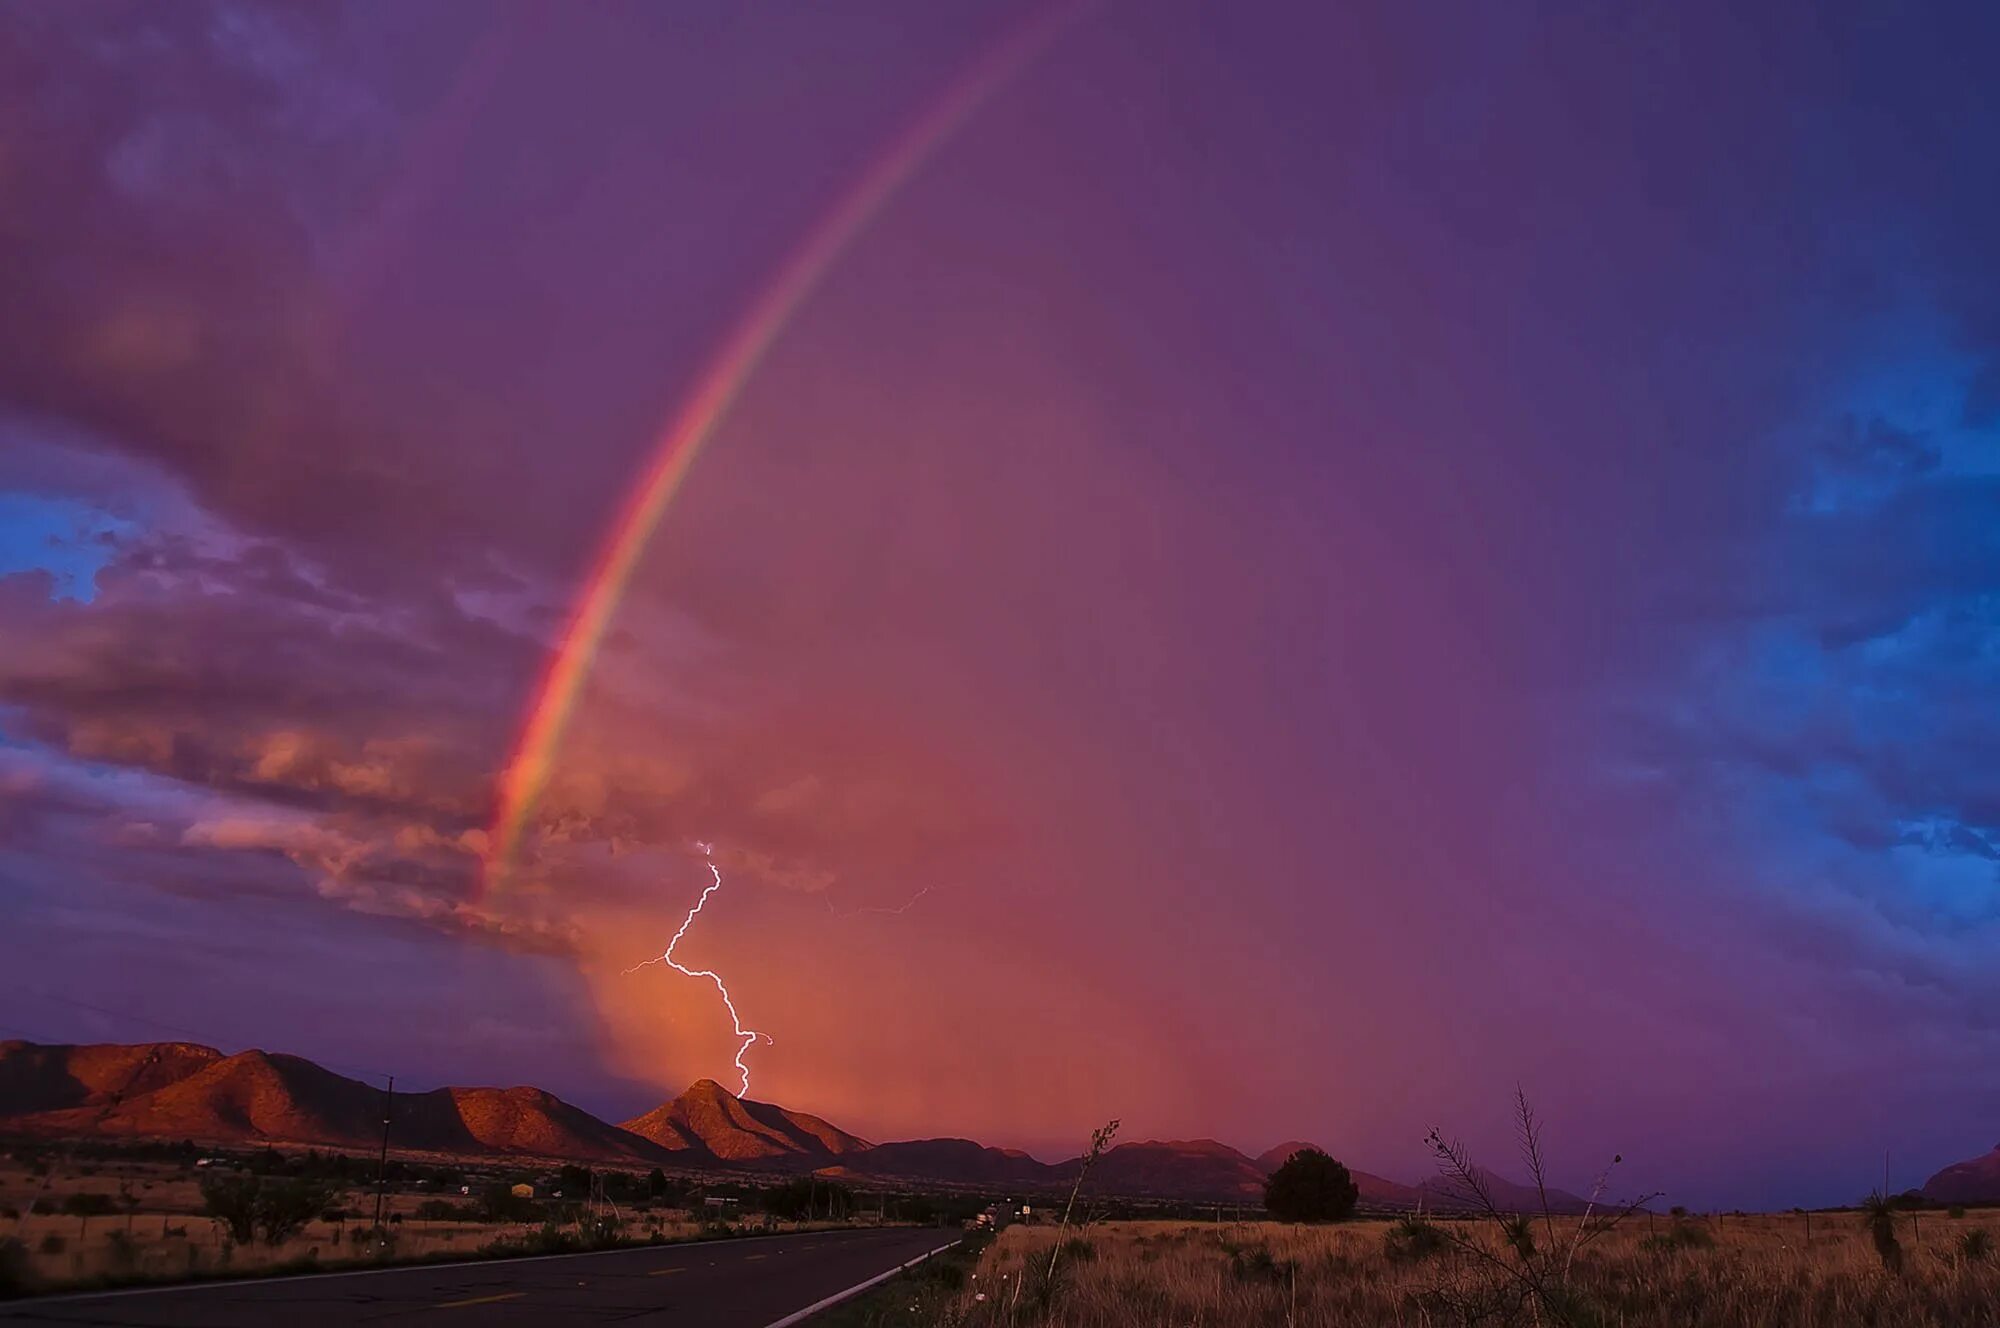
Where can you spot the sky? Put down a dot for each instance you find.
(1305, 566)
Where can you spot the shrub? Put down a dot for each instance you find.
(1878, 1217)
(941, 1273)
(124, 1251)
(1311, 1187)
(377, 1241)
(88, 1205)
(232, 1201)
(53, 1244)
(17, 1277)
(1975, 1246)
(807, 1197)
(499, 1203)
(552, 1239)
(285, 1206)
(1412, 1240)
(1681, 1234)
(1258, 1266)
(250, 1205)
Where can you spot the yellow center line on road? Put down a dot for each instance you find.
(665, 1272)
(478, 1300)
(752, 1258)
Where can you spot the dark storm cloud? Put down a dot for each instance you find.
(189, 188)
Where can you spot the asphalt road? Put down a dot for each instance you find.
(726, 1284)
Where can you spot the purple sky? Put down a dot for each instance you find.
(1359, 555)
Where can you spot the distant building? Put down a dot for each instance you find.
(524, 1191)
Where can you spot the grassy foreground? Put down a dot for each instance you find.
(1741, 1271)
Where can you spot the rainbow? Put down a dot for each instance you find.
(702, 410)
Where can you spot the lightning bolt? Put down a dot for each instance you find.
(749, 1035)
(904, 909)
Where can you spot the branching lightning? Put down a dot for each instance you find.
(749, 1035)
(904, 909)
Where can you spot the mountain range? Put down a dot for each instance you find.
(179, 1090)
(1975, 1180)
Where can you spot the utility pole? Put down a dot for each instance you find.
(382, 1162)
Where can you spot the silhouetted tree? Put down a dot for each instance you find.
(807, 1197)
(285, 1206)
(250, 1205)
(499, 1203)
(232, 1201)
(1311, 1187)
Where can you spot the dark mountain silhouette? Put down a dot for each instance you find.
(1271, 1159)
(961, 1161)
(1975, 1180)
(1175, 1168)
(739, 1130)
(1508, 1197)
(178, 1090)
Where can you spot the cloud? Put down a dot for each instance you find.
(356, 737)
(1829, 737)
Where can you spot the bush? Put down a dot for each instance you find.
(1878, 1216)
(1075, 1250)
(232, 1201)
(124, 1251)
(17, 1277)
(1258, 1266)
(552, 1239)
(807, 1197)
(252, 1204)
(1975, 1246)
(380, 1242)
(53, 1244)
(1311, 1187)
(88, 1205)
(499, 1203)
(1411, 1240)
(1681, 1234)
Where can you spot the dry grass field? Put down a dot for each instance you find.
(1758, 1271)
(159, 1230)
